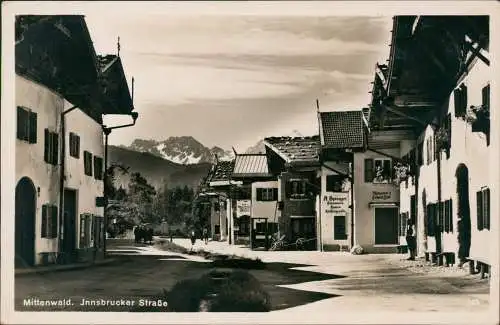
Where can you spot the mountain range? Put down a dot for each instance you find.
(176, 161)
(184, 150)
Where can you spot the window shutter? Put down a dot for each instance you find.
(20, 124)
(46, 152)
(451, 214)
(96, 168)
(44, 221)
(420, 154)
(77, 146)
(457, 100)
(486, 96)
(32, 127)
(368, 170)
(275, 194)
(55, 148)
(53, 224)
(288, 189)
(479, 204)
(486, 211)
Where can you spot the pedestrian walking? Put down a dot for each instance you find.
(193, 239)
(205, 235)
(411, 241)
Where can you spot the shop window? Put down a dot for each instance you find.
(26, 125)
(98, 226)
(403, 223)
(85, 230)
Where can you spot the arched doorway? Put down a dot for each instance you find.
(25, 216)
(463, 212)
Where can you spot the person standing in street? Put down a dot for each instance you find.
(205, 235)
(411, 241)
(193, 239)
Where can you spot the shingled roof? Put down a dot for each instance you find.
(342, 129)
(251, 165)
(295, 150)
(221, 171)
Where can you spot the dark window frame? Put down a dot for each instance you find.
(483, 204)
(87, 162)
(51, 147)
(267, 194)
(340, 228)
(49, 221)
(334, 183)
(98, 168)
(26, 125)
(296, 189)
(74, 145)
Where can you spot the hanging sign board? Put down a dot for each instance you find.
(243, 208)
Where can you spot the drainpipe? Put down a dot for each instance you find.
(107, 131)
(62, 175)
(352, 201)
(440, 211)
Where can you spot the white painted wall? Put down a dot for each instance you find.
(364, 215)
(87, 187)
(30, 157)
(325, 219)
(264, 209)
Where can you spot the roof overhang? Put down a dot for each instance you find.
(116, 95)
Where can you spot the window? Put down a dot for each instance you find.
(403, 223)
(334, 183)
(420, 154)
(339, 231)
(49, 221)
(460, 99)
(51, 148)
(87, 160)
(74, 145)
(85, 230)
(448, 216)
(26, 125)
(260, 227)
(431, 156)
(486, 106)
(483, 209)
(431, 219)
(382, 170)
(98, 231)
(296, 189)
(267, 194)
(98, 168)
(378, 170)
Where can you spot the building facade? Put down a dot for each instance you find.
(59, 146)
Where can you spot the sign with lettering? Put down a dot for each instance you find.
(335, 203)
(243, 208)
(381, 196)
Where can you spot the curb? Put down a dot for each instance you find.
(69, 267)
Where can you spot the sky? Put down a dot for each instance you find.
(230, 80)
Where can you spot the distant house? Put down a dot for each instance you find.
(59, 145)
(215, 195)
(295, 162)
(342, 135)
(442, 99)
(255, 200)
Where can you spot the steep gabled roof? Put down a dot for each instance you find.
(342, 129)
(222, 171)
(251, 165)
(295, 150)
(115, 87)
